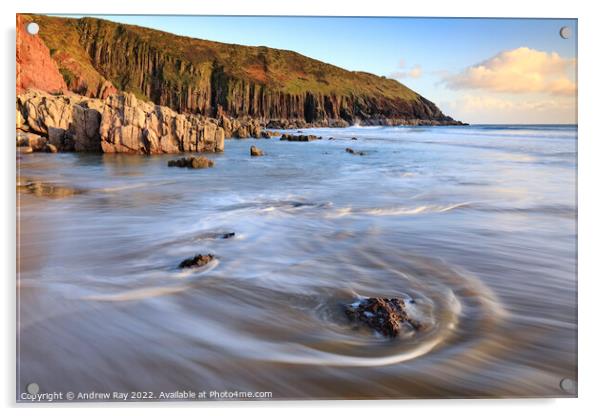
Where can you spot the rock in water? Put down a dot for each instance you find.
(44, 189)
(197, 261)
(385, 316)
(353, 152)
(299, 138)
(255, 151)
(50, 148)
(199, 162)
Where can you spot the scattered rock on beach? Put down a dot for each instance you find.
(256, 151)
(383, 315)
(197, 261)
(199, 162)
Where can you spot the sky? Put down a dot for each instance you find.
(476, 70)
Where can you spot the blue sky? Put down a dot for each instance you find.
(439, 58)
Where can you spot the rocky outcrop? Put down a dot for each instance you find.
(68, 122)
(35, 67)
(279, 88)
(385, 316)
(119, 124)
(132, 126)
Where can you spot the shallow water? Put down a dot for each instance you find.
(476, 224)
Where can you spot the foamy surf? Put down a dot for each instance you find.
(397, 210)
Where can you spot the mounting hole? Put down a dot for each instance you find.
(568, 385)
(33, 388)
(565, 32)
(33, 28)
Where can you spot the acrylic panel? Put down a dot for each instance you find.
(285, 208)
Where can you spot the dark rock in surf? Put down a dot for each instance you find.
(199, 162)
(354, 138)
(255, 151)
(383, 315)
(215, 236)
(299, 138)
(354, 152)
(197, 261)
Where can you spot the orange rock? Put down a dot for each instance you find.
(35, 67)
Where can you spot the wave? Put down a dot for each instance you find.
(399, 210)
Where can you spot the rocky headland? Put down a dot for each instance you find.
(94, 85)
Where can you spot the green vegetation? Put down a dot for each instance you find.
(207, 77)
(280, 70)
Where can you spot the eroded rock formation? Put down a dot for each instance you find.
(119, 124)
(132, 126)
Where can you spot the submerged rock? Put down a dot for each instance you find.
(354, 152)
(44, 189)
(383, 315)
(197, 261)
(214, 236)
(255, 151)
(199, 162)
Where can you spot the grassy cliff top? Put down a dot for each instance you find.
(277, 69)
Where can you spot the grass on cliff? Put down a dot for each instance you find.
(191, 59)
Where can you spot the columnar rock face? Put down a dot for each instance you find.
(278, 88)
(119, 124)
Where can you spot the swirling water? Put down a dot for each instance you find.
(476, 224)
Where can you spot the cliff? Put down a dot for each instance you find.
(35, 67)
(278, 87)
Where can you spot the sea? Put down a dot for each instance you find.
(475, 227)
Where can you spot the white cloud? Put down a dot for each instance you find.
(415, 72)
(488, 109)
(521, 70)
